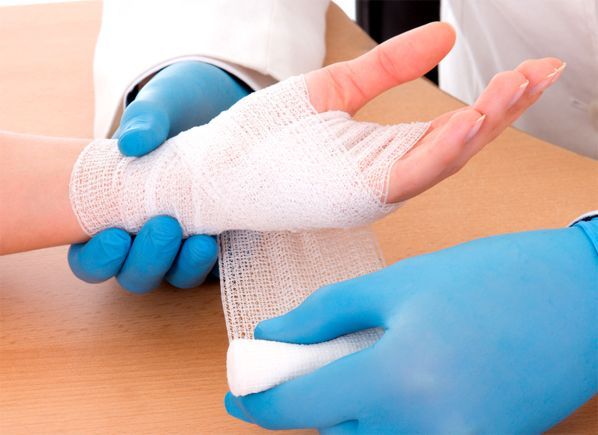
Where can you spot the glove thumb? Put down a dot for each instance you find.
(144, 127)
(328, 313)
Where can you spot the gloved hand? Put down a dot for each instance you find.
(181, 96)
(497, 335)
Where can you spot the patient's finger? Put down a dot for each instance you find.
(349, 85)
(510, 97)
(503, 91)
(541, 73)
(447, 147)
(435, 156)
(538, 70)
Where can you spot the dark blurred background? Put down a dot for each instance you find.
(383, 19)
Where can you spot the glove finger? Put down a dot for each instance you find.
(194, 262)
(153, 251)
(330, 312)
(144, 126)
(234, 408)
(100, 258)
(329, 396)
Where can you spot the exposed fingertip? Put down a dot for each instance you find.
(554, 61)
(448, 27)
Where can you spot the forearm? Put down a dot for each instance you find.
(34, 192)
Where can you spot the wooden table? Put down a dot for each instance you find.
(87, 358)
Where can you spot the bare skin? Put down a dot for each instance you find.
(34, 180)
(34, 192)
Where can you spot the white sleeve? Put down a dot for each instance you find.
(259, 41)
(586, 216)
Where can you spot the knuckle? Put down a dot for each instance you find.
(505, 77)
(525, 65)
(386, 63)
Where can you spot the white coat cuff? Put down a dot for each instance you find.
(584, 217)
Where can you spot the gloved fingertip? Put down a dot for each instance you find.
(152, 254)
(204, 249)
(100, 258)
(268, 329)
(163, 230)
(144, 126)
(139, 140)
(137, 287)
(233, 408)
(115, 242)
(194, 262)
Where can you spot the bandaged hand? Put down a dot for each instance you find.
(291, 158)
(181, 96)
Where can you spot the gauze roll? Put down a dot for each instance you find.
(281, 184)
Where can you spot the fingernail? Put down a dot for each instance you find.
(519, 93)
(476, 127)
(558, 71)
(548, 80)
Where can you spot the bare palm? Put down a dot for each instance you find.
(453, 137)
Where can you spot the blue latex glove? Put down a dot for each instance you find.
(179, 97)
(498, 335)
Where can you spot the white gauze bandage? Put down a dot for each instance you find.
(289, 192)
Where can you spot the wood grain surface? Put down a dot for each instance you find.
(81, 358)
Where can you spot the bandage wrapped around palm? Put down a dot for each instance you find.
(288, 181)
(269, 167)
(270, 163)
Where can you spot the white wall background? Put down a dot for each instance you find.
(346, 5)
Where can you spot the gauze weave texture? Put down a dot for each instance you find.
(288, 190)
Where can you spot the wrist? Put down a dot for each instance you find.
(110, 190)
(37, 211)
